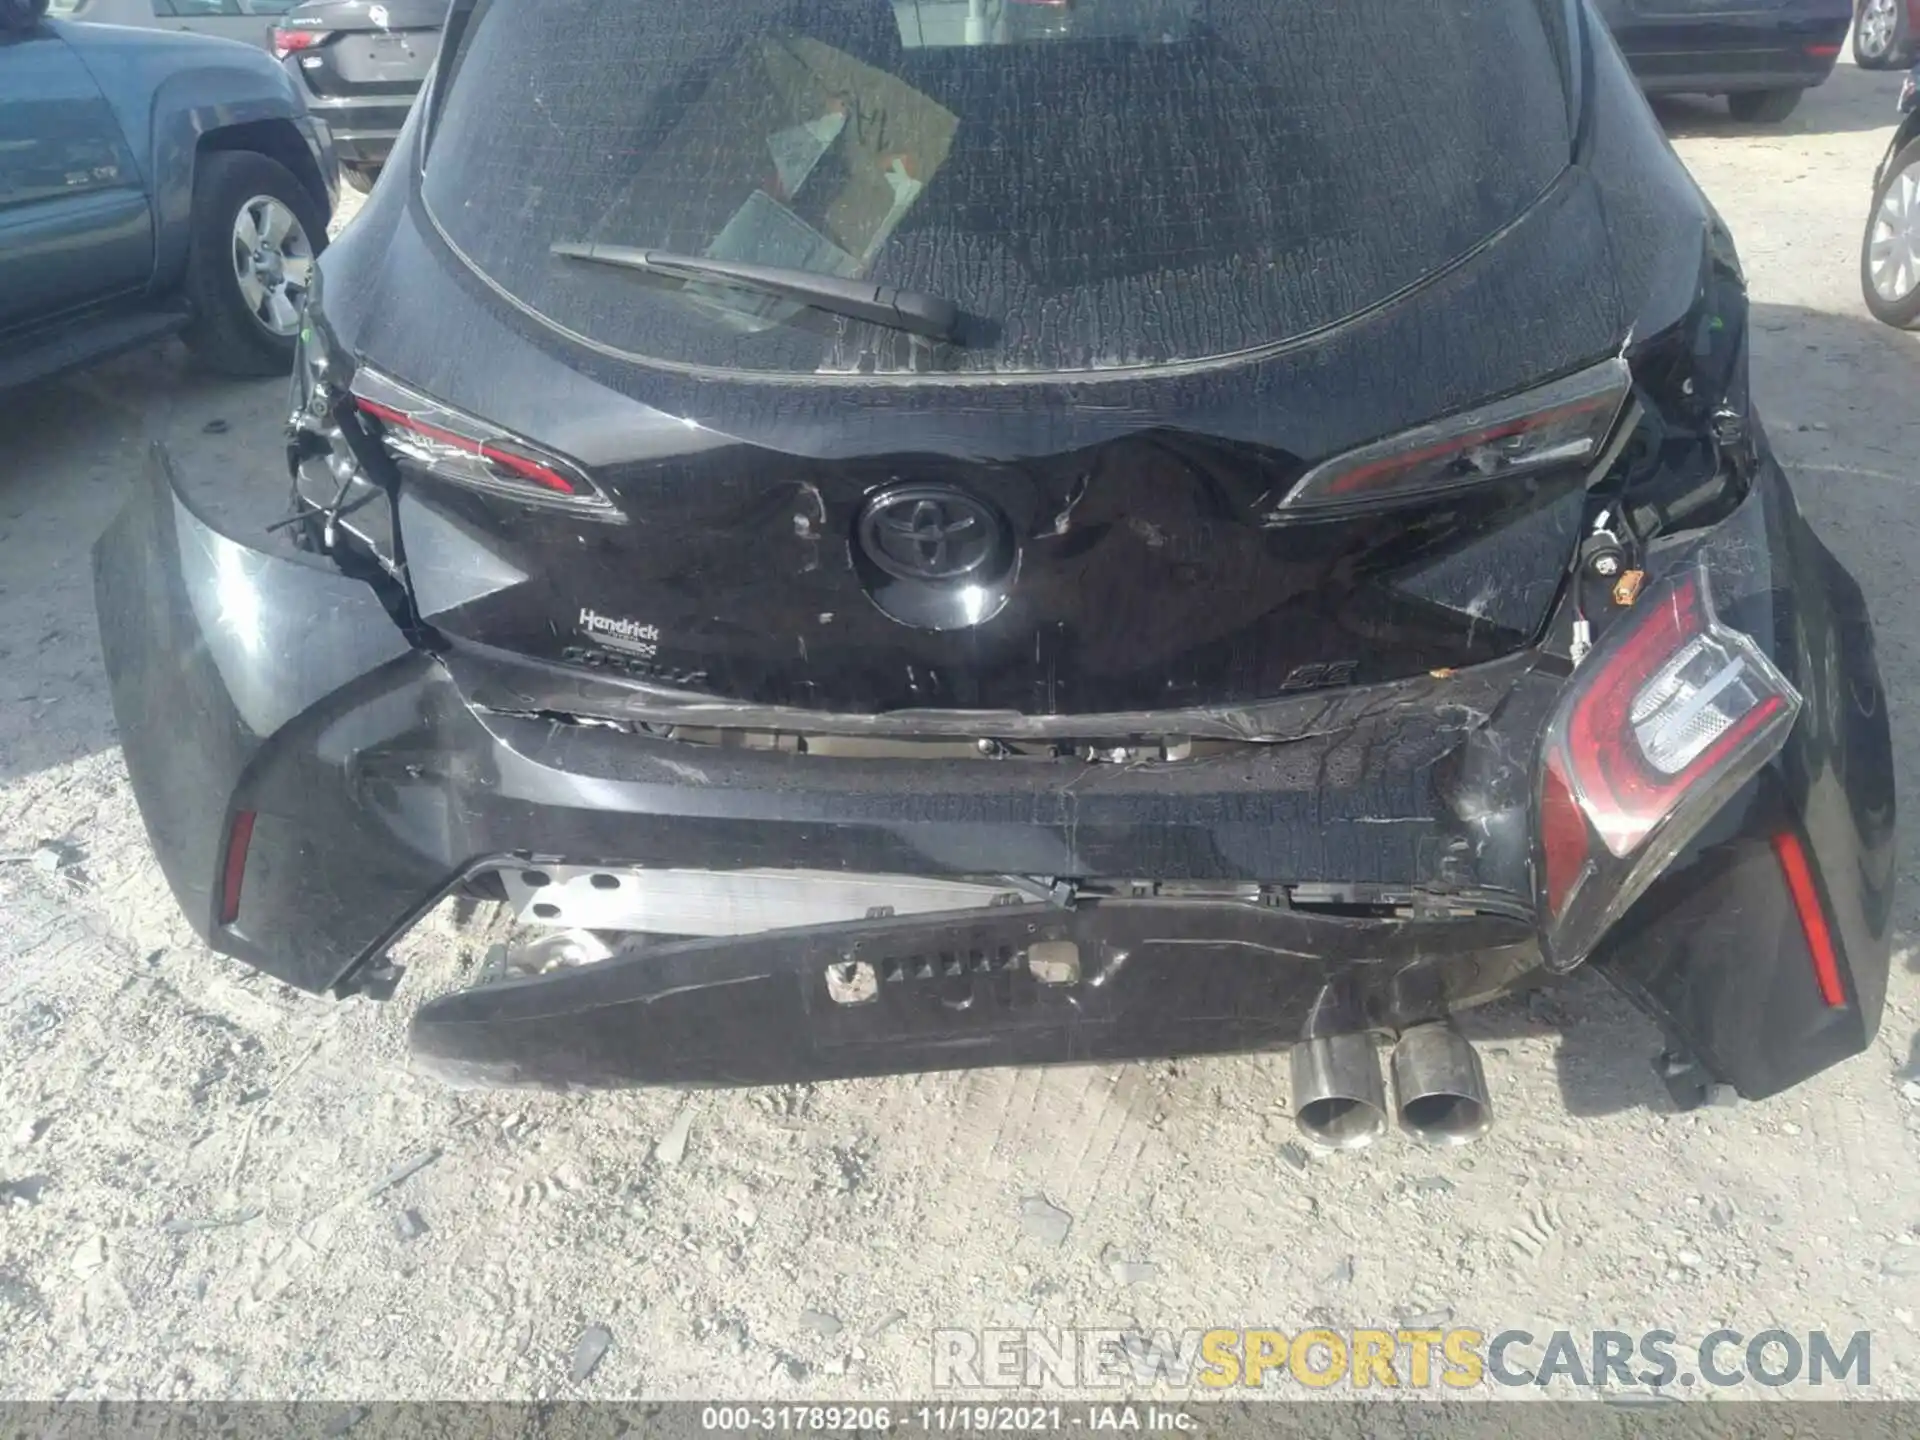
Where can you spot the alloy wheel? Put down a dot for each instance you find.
(1893, 246)
(273, 262)
(1876, 27)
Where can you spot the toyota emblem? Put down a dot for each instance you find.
(931, 533)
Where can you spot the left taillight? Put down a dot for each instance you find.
(1561, 424)
(1670, 715)
(286, 42)
(435, 440)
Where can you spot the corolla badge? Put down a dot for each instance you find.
(935, 557)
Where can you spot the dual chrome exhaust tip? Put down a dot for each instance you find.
(1439, 1088)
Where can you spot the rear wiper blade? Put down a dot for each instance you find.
(915, 311)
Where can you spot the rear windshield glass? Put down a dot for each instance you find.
(1094, 183)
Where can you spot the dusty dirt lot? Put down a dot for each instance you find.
(211, 1186)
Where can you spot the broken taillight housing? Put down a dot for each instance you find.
(328, 458)
(1563, 423)
(1668, 717)
(355, 436)
(426, 437)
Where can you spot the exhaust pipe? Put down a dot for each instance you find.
(1439, 1087)
(1339, 1097)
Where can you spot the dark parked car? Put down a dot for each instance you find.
(904, 536)
(1761, 54)
(151, 183)
(1890, 249)
(359, 63)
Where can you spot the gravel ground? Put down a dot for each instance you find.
(213, 1187)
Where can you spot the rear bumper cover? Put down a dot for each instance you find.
(270, 684)
(948, 992)
(1715, 55)
(1685, 74)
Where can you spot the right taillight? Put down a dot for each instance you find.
(1563, 423)
(286, 42)
(1669, 716)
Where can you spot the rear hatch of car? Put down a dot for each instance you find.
(1179, 453)
(354, 48)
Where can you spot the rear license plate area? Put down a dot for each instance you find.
(386, 57)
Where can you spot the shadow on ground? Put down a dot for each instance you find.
(1604, 1060)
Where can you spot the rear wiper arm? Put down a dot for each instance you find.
(915, 311)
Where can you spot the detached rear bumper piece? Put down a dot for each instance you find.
(1017, 985)
(313, 784)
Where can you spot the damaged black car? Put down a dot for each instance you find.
(911, 534)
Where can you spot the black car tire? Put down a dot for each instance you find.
(225, 334)
(1895, 55)
(360, 177)
(1904, 311)
(1767, 107)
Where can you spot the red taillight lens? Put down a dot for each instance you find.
(1563, 838)
(1658, 711)
(545, 476)
(450, 445)
(286, 42)
(239, 838)
(1565, 423)
(1670, 715)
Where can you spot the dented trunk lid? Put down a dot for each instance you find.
(1073, 511)
(1151, 571)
